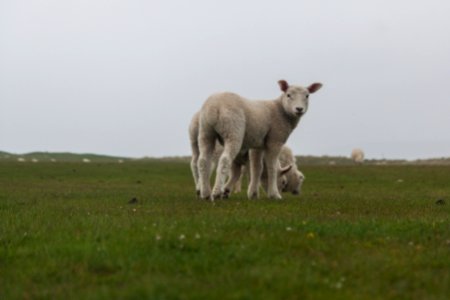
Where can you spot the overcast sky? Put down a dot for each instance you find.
(125, 77)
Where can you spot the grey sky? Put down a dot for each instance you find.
(125, 77)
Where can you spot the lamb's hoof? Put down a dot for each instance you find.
(253, 196)
(276, 197)
(198, 194)
(216, 196)
(226, 193)
(205, 197)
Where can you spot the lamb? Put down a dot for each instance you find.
(294, 177)
(290, 179)
(293, 183)
(239, 164)
(357, 156)
(242, 125)
(193, 137)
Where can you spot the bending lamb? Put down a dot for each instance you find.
(293, 177)
(290, 180)
(241, 125)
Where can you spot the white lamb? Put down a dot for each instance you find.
(240, 163)
(193, 137)
(241, 125)
(357, 156)
(289, 179)
(294, 178)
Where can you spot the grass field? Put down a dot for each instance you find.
(356, 232)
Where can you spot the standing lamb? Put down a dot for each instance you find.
(239, 165)
(241, 125)
(193, 137)
(357, 156)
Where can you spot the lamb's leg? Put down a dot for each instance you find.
(231, 149)
(194, 165)
(271, 163)
(256, 167)
(234, 178)
(238, 185)
(206, 146)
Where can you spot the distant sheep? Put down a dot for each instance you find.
(21, 159)
(86, 160)
(241, 125)
(357, 156)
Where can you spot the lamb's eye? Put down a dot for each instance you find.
(288, 95)
(307, 96)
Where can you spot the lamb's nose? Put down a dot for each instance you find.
(299, 110)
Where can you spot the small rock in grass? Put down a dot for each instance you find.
(133, 200)
(440, 202)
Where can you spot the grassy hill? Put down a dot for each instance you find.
(60, 156)
(302, 160)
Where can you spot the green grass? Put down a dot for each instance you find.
(67, 231)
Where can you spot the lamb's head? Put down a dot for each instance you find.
(295, 98)
(294, 183)
(282, 178)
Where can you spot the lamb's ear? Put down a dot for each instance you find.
(283, 85)
(314, 87)
(285, 170)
